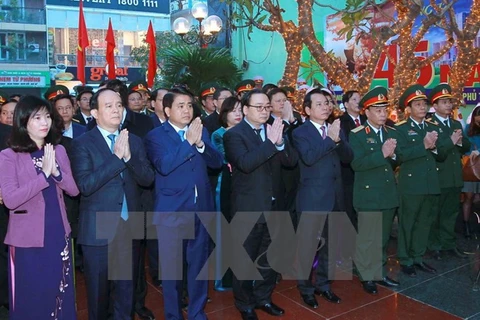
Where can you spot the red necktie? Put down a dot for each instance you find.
(357, 123)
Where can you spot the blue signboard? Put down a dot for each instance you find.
(154, 6)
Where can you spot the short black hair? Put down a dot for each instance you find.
(348, 95)
(79, 96)
(120, 87)
(62, 96)
(274, 91)
(154, 93)
(170, 96)
(26, 108)
(218, 91)
(248, 95)
(227, 107)
(267, 87)
(307, 101)
(94, 100)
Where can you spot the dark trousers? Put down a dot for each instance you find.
(173, 251)
(324, 265)
(348, 196)
(248, 293)
(101, 289)
(146, 247)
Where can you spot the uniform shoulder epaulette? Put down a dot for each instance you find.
(392, 128)
(435, 123)
(357, 129)
(400, 123)
(76, 120)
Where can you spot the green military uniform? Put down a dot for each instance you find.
(205, 91)
(418, 181)
(442, 234)
(374, 190)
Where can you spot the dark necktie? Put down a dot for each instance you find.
(446, 123)
(89, 119)
(357, 123)
(379, 134)
(421, 126)
(324, 132)
(257, 132)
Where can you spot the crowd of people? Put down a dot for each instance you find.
(77, 172)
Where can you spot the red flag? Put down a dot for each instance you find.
(152, 59)
(110, 39)
(82, 45)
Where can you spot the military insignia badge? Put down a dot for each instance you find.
(248, 86)
(371, 140)
(367, 129)
(412, 133)
(445, 91)
(418, 93)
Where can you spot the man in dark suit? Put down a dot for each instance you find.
(63, 103)
(211, 122)
(138, 124)
(109, 167)
(4, 135)
(322, 147)
(285, 186)
(82, 114)
(156, 101)
(350, 120)
(180, 151)
(254, 149)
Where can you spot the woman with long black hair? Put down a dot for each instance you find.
(34, 172)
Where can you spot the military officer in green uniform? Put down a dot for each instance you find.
(420, 145)
(442, 234)
(374, 145)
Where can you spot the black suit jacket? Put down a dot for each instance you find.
(286, 178)
(347, 124)
(5, 131)
(136, 123)
(254, 162)
(80, 119)
(97, 172)
(211, 122)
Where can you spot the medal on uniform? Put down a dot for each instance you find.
(412, 132)
(371, 140)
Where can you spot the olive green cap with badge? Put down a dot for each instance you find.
(56, 90)
(443, 90)
(412, 93)
(376, 97)
(244, 86)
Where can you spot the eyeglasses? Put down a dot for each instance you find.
(261, 108)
